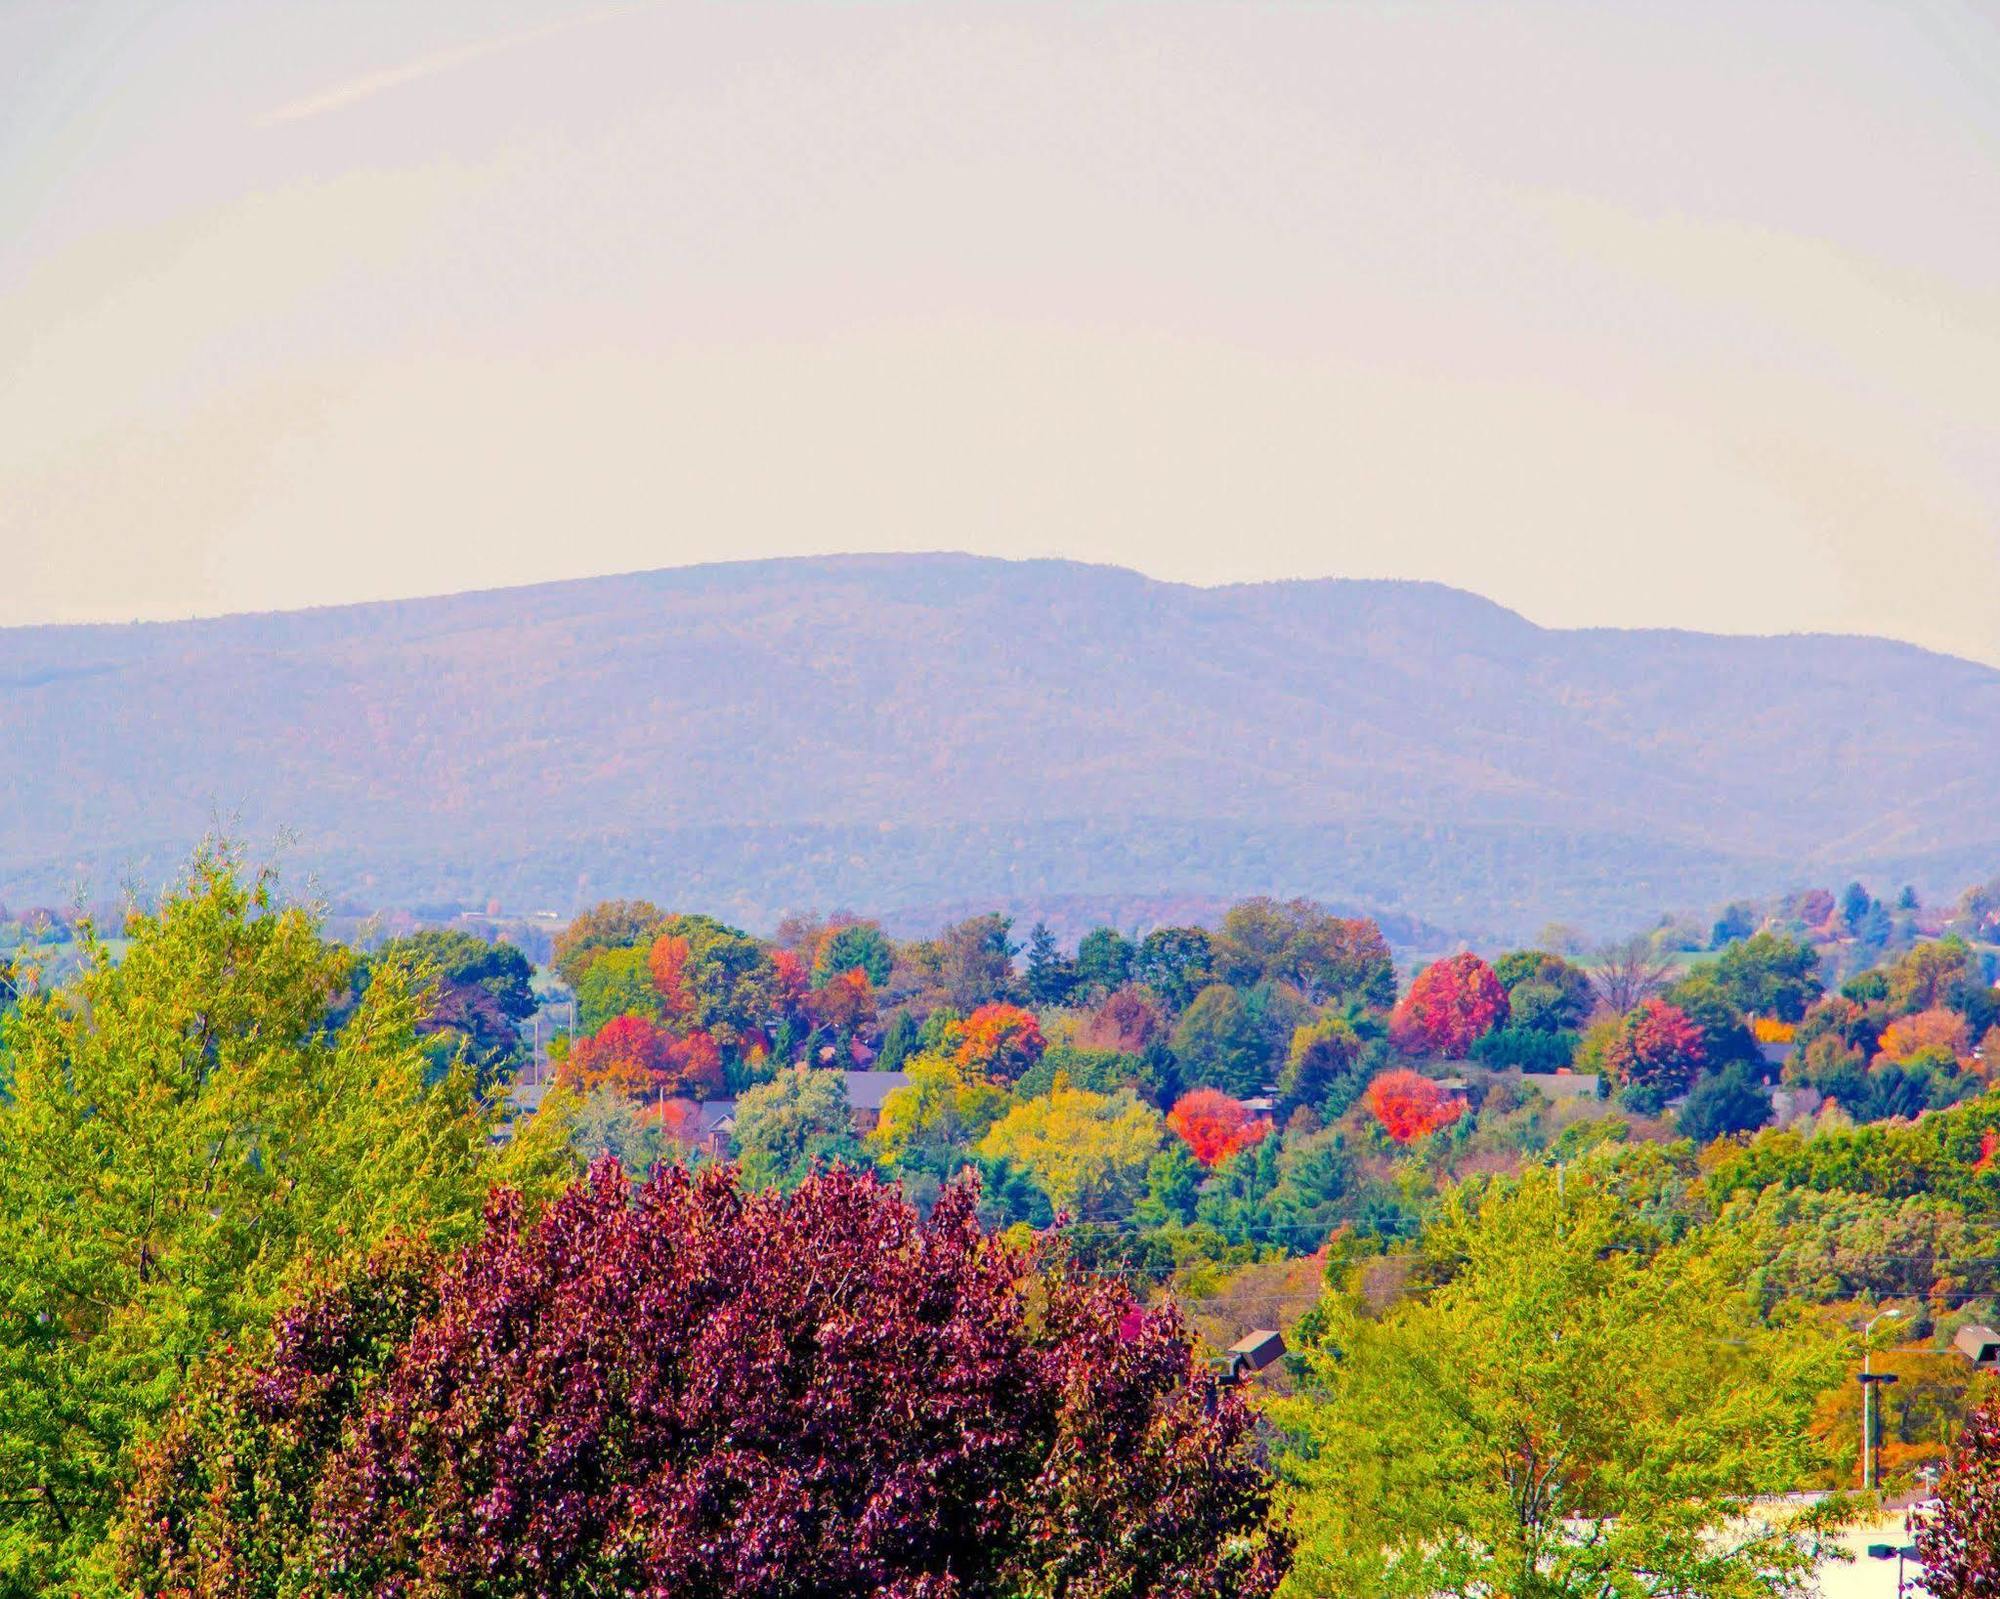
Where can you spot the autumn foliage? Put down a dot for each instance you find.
(1958, 1533)
(1656, 1046)
(700, 1392)
(1411, 1106)
(633, 1055)
(668, 960)
(1214, 1126)
(1451, 1004)
(1936, 1029)
(999, 1042)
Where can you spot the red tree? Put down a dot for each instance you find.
(638, 1057)
(697, 1392)
(627, 1053)
(1452, 1003)
(1214, 1126)
(1411, 1106)
(668, 961)
(843, 1002)
(1656, 1046)
(1958, 1534)
(999, 1042)
(693, 1066)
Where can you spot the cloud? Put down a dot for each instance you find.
(354, 90)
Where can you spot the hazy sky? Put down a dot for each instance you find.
(1620, 313)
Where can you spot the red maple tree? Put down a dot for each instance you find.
(1657, 1045)
(1452, 1003)
(668, 961)
(1411, 1106)
(1214, 1126)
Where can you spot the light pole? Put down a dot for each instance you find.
(1901, 1551)
(1869, 1379)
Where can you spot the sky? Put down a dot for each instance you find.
(1679, 314)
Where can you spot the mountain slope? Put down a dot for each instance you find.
(910, 729)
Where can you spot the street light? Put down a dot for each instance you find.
(1868, 1380)
(1901, 1552)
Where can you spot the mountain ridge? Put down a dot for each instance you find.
(559, 740)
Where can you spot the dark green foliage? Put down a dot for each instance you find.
(1102, 1071)
(794, 1125)
(1219, 1043)
(1173, 1183)
(1940, 1155)
(1176, 963)
(1855, 903)
(859, 944)
(1316, 1176)
(1103, 962)
(1527, 1049)
(482, 994)
(900, 1040)
(1723, 1103)
(1768, 975)
(1235, 1200)
(1738, 921)
(1051, 975)
(1545, 993)
(1866, 988)
(1323, 1066)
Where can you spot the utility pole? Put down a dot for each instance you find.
(1869, 1380)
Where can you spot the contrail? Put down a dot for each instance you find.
(342, 95)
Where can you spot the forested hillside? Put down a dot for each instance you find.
(922, 730)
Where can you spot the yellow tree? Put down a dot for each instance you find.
(1575, 1409)
(1087, 1152)
(183, 1126)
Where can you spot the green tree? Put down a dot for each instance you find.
(899, 1042)
(1323, 1064)
(1219, 1044)
(1768, 974)
(1545, 992)
(858, 944)
(618, 982)
(1573, 1409)
(1722, 1103)
(1714, 1007)
(1103, 961)
(185, 1124)
(1325, 957)
(613, 924)
(1173, 1184)
(1176, 963)
(482, 992)
(794, 1123)
(1051, 975)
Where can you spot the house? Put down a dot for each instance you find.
(1979, 1344)
(866, 1094)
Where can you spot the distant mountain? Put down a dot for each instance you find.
(893, 732)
